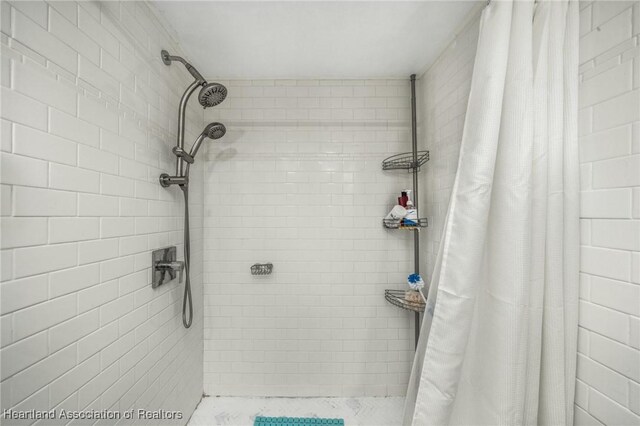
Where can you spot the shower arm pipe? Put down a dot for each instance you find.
(167, 59)
(181, 123)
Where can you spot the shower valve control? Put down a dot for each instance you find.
(165, 266)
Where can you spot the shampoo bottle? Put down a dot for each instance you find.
(411, 218)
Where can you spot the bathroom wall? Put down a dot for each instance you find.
(88, 119)
(443, 92)
(297, 181)
(608, 387)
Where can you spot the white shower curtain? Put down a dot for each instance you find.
(498, 341)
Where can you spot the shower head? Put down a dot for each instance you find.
(212, 94)
(212, 131)
(215, 130)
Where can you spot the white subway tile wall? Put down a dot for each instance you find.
(297, 181)
(88, 121)
(609, 338)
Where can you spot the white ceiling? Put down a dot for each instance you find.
(311, 39)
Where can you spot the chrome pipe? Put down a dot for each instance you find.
(181, 118)
(167, 59)
(414, 141)
(414, 148)
(416, 235)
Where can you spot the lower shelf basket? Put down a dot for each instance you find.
(396, 297)
(395, 224)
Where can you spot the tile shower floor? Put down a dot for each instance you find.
(241, 411)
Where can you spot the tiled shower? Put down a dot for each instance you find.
(88, 122)
(297, 182)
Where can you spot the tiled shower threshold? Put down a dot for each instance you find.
(241, 411)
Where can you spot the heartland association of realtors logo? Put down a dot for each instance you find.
(142, 414)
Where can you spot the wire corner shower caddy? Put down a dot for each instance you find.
(398, 298)
(411, 162)
(422, 222)
(406, 161)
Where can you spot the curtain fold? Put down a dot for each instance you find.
(498, 341)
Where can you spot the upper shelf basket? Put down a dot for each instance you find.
(405, 161)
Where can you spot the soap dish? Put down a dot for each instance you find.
(261, 268)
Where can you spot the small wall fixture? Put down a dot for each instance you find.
(165, 266)
(261, 269)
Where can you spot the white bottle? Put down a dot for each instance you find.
(411, 218)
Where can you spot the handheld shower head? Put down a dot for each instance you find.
(215, 130)
(212, 94)
(212, 131)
